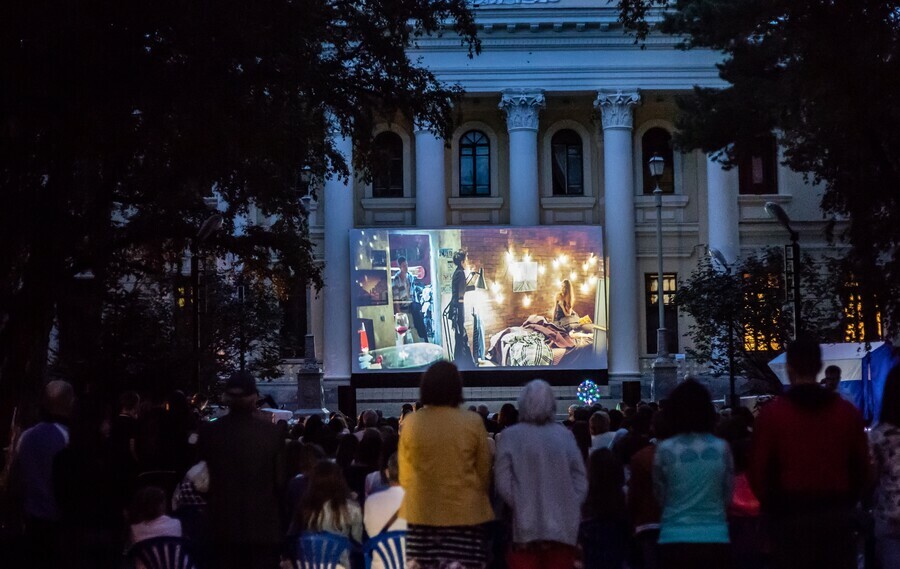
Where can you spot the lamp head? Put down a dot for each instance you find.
(656, 164)
(775, 211)
(479, 282)
(212, 224)
(719, 258)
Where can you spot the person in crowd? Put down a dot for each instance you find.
(692, 479)
(328, 505)
(382, 509)
(365, 462)
(346, 452)
(540, 474)
(638, 435)
(123, 434)
(643, 506)
(832, 378)
(31, 474)
(809, 465)
(300, 458)
(445, 470)
(582, 434)
(338, 426)
(885, 439)
(604, 533)
(148, 516)
(378, 481)
(189, 506)
(368, 419)
(490, 425)
(244, 455)
(88, 492)
(508, 417)
(601, 436)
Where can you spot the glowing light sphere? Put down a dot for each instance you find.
(588, 392)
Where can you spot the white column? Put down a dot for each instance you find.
(338, 207)
(723, 211)
(431, 198)
(625, 286)
(522, 107)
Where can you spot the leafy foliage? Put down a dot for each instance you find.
(746, 304)
(118, 119)
(824, 76)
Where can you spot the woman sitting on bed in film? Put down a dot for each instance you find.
(565, 300)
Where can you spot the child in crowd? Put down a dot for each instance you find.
(148, 516)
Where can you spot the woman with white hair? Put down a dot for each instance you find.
(539, 472)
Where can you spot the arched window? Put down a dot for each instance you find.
(568, 163)
(657, 140)
(757, 162)
(387, 173)
(474, 164)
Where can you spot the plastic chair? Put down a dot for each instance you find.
(389, 547)
(160, 553)
(319, 550)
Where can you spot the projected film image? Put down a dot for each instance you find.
(480, 297)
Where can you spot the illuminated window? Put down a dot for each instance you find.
(855, 315)
(651, 288)
(760, 307)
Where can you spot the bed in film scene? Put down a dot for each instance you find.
(480, 297)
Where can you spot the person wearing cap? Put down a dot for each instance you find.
(243, 454)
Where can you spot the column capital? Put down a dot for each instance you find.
(616, 106)
(522, 107)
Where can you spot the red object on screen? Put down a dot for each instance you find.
(363, 340)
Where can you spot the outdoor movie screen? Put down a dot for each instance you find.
(507, 297)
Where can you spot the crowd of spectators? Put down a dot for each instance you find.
(676, 484)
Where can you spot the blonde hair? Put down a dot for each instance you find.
(566, 296)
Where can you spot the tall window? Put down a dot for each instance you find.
(568, 164)
(387, 181)
(757, 163)
(651, 289)
(862, 318)
(474, 164)
(658, 141)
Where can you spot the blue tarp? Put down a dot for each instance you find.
(863, 372)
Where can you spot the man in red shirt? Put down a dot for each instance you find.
(808, 467)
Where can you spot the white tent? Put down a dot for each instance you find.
(862, 372)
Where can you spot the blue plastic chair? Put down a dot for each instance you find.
(160, 553)
(389, 547)
(319, 550)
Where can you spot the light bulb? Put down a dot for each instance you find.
(526, 301)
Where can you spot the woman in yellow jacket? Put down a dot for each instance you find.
(445, 471)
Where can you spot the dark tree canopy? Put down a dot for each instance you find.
(117, 119)
(824, 76)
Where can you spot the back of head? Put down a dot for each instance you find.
(582, 414)
(537, 403)
(368, 452)
(599, 423)
(59, 398)
(615, 419)
(804, 360)
(129, 402)
(369, 419)
(326, 488)
(890, 399)
(149, 503)
(689, 409)
(482, 410)
(393, 469)
(441, 386)
(509, 415)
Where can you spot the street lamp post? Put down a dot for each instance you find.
(732, 391)
(212, 224)
(657, 164)
(664, 369)
(791, 263)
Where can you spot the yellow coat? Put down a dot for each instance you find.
(445, 468)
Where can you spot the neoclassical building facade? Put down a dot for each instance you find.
(561, 113)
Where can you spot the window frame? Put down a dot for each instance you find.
(579, 144)
(474, 156)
